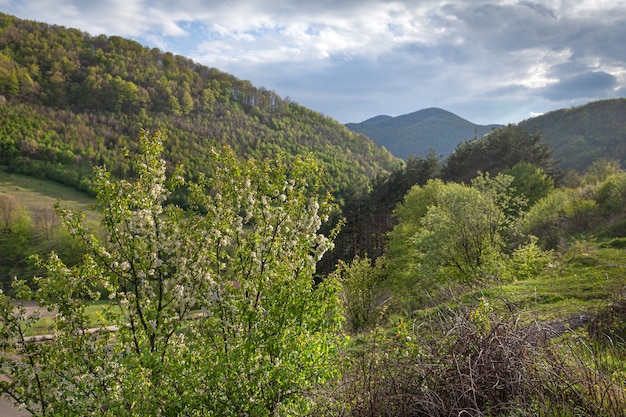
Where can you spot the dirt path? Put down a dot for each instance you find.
(32, 307)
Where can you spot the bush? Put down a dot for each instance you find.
(473, 362)
(363, 294)
(561, 213)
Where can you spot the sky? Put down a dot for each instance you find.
(498, 61)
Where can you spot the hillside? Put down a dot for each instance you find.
(70, 100)
(581, 135)
(419, 132)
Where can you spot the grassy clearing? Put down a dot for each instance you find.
(45, 323)
(580, 283)
(35, 194)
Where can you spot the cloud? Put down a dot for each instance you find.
(499, 60)
(539, 8)
(586, 85)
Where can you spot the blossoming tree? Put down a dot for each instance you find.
(209, 309)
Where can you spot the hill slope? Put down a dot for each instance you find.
(581, 135)
(69, 101)
(419, 132)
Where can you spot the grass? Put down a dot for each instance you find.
(579, 283)
(35, 194)
(44, 324)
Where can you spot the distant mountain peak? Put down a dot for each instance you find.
(376, 119)
(419, 132)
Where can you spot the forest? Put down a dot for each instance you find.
(239, 254)
(71, 101)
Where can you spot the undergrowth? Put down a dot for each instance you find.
(476, 362)
(551, 345)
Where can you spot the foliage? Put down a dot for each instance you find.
(501, 149)
(453, 229)
(403, 264)
(600, 170)
(451, 236)
(461, 235)
(72, 101)
(597, 204)
(363, 292)
(528, 260)
(584, 134)
(25, 232)
(369, 213)
(530, 182)
(558, 215)
(210, 314)
(506, 197)
(611, 194)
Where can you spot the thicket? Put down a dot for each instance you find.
(474, 361)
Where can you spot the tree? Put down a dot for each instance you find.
(16, 246)
(530, 182)
(369, 215)
(501, 149)
(600, 170)
(452, 233)
(8, 207)
(210, 310)
(461, 234)
(403, 264)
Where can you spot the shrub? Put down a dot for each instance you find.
(473, 362)
(363, 293)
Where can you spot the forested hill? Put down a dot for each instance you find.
(70, 100)
(581, 135)
(419, 132)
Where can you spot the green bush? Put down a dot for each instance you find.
(363, 292)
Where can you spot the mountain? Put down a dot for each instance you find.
(70, 100)
(419, 132)
(581, 135)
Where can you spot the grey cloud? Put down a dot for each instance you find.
(539, 8)
(600, 39)
(586, 85)
(501, 27)
(568, 69)
(506, 28)
(512, 90)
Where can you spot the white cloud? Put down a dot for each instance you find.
(353, 59)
